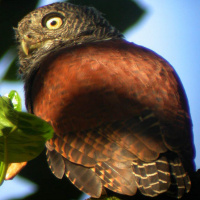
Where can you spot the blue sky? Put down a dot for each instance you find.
(172, 29)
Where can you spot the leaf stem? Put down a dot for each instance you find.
(4, 164)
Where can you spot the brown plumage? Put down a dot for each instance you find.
(119, 110)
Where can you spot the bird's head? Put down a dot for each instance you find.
(57, 26)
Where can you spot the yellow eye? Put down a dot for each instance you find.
(54, 23)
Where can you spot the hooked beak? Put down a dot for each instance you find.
(28, 46)
(25, 47)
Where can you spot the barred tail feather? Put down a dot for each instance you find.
(162, 175)
(180, 181)
(152, 178)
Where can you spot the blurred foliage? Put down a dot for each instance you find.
(11, 73)
(122, 14)
(11, 12)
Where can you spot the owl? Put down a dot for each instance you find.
(119, 111)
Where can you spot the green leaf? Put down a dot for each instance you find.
(4, 164)
(22, 135)
(26, 134)
(6, 112)
(3, 169)
(16, 100)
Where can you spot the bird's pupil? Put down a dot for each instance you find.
(53, 23)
